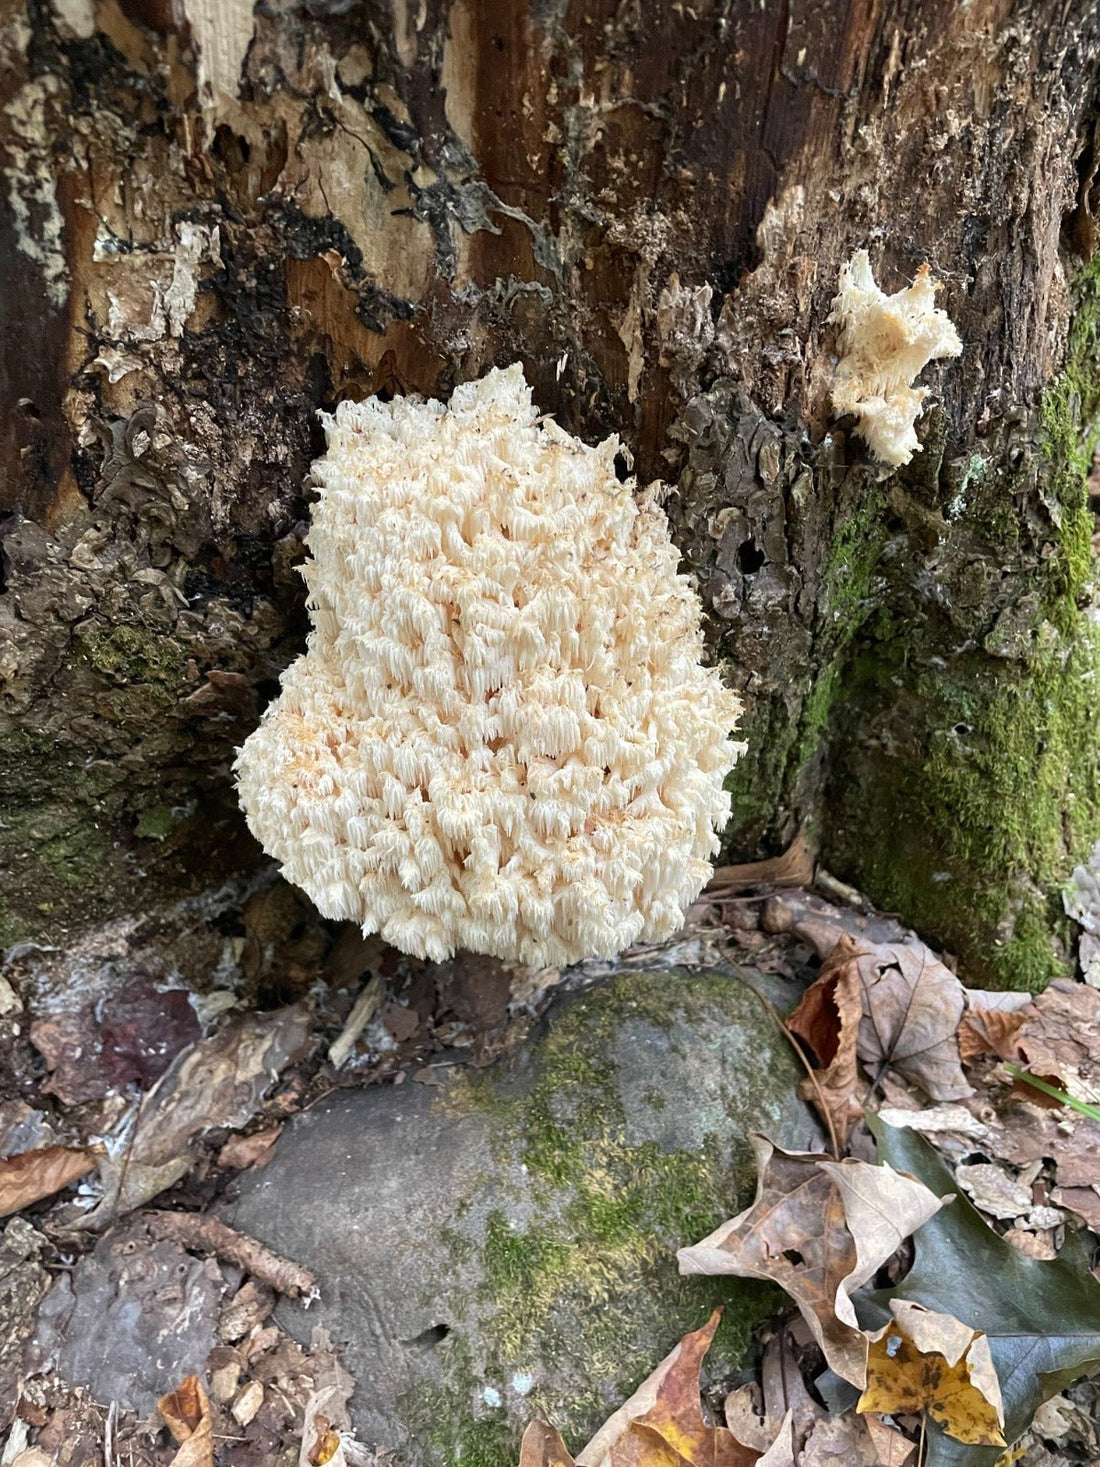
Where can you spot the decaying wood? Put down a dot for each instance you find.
(220, 218)
(202, 1233)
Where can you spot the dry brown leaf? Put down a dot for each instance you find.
(543, 1447)
(891, 1447)
(828, 1020)
(31, 1175)
(744, 1419)
(819, 1229)
(186, 1413)
(912, 1005)
(1084, 1202)
(781, 1382)
(254, 1151)
(662, 1424)
(220, 1082)
(989, 1031)
(993, 1191)
(842, 1441)
(781, 1451)
(326, 1439)
(925, 1361)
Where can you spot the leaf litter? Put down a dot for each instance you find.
(886, 1020)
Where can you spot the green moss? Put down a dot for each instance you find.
(583, 1262)
(994, 797)
(854, 552)
(768, 779)
(132, 654)
(966, 784)
(156, 822)
(12, 930)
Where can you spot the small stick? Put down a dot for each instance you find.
(210, 1235)
(360, 1016)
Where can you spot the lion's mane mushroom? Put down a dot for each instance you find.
(885, 342)
(501, 737)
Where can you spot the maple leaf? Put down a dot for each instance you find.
(660, 1426)
(925, 1361)
(912, 1005)
(820, 1229)
(1041, 1317)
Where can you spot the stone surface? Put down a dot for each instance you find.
(136, 1316)
(506, 1242)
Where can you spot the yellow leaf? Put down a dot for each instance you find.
(931, 1362)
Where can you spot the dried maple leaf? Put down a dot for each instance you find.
(186, 1413)
(819, 1229)
(828, 1020)
(912, 1005)
(662, 1424)
(543, 1447)
(31, 1175)
(926, 1361)
(989, 1031)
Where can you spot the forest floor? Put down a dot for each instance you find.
(125, 1125)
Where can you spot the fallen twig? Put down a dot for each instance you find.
(211, 1235)
(361, 1014)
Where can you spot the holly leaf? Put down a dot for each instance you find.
(820, 1229)
(1042, 1318)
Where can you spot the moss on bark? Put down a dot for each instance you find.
(966, 778)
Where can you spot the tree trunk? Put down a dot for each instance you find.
(217, 222)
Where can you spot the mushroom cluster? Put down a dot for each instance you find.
(501, 736)
(885, 342)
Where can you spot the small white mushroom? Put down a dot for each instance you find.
(885, 342)
(501, 736)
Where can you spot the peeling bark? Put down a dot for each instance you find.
(218, 221)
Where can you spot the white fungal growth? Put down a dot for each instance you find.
(885, 342)
(501, 737)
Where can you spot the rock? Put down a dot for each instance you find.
(136, 1316)
(506, 1242)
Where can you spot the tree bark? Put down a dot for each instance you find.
(217, 222)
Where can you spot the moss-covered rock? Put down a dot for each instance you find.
(508, 1242)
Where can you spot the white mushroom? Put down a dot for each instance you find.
(501, 736)
(885, 342)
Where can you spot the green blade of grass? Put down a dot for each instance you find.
(1052, 1090)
